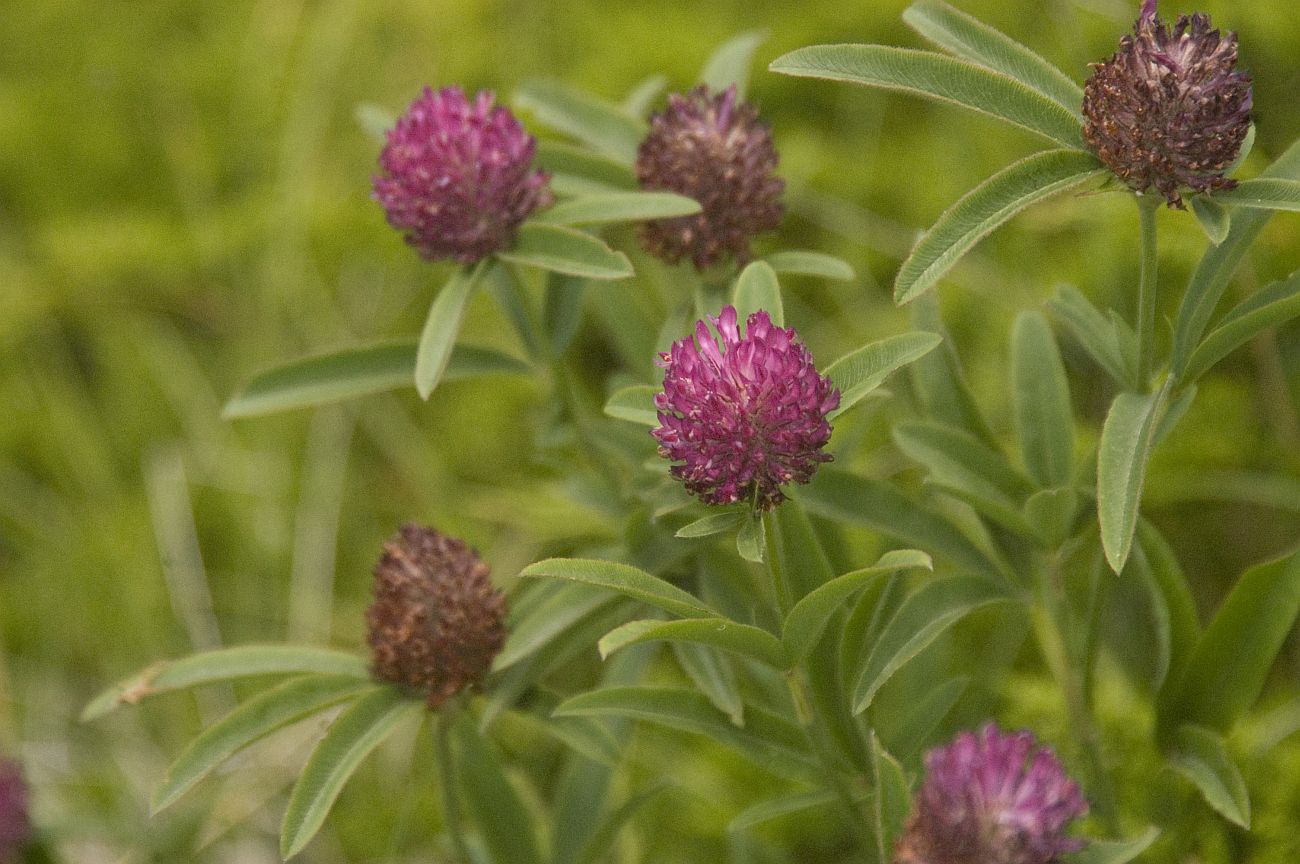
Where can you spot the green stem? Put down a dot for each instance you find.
(780, 584)
(1147, 290)
(447, 782)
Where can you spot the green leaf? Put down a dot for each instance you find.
(1274, 304)
(578, 171)
(374, 120)
(892, 800)
(731, 62)
(225, 664)
(562, 310)
(864, 369)
(984, 208)
(566, 250)
(973, 40)
(1115, 851)
(757, 288)
(1176, 597)
(714, 523)
(1214, 218)
(1262, 193)
(350, 738)
(352, 373)
(1122, 456)
(805, 262)
(565, 606)
(924, 615)
(1227, 669)
(598, 847)
(491, 799)
(625, 580)
(935, 76)
(749, 539)
(713, 675)
(635, 403)
(961, 464)
(769, 741)
(722, 633)
(906, 733)
(1091, 329)
(1041, 402)
(1201, 756)
(939, 380)
(254, 719)
(593, 121)
(839, 495)
(442, 327)
(639, 98)
(784, 805)
(619, 207)
(804, 624)
(1050, 514)
(1216, 267)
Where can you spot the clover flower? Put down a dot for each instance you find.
(992, 798)
(458, 177)
(15, 825)
(744, 418)
(710, 147)
(1169, 109)
(436, 621)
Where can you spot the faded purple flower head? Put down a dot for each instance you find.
(1169, 109)
(744, 418)
(436, 622)
(15, 825)
(710, 147)
(992, 798)
(458, 177)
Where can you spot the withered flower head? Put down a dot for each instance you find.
(458, 176)
(1169, 109)
(713, 148)
(436, 621)
(991, 797)
(15, 825)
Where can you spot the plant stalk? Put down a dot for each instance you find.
(1147, 290)
(447, 782)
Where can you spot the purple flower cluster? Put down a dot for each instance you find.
(1169, 109)
(710, 147)
(15, 825)
(458, 177)
(992, 798)
(745, 417)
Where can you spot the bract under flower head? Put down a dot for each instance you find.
(1168, 109)
(710, 147)
(458, 176)
(745, 417)
(992, 798)
(15, 824)
(436, 621)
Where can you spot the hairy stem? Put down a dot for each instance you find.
(1147, 290)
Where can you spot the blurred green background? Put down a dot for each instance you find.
(184, 200)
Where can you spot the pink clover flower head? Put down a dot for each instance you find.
(713, 148)
(744, 416)
(992, 798)
(1169, 109)
(458, 176)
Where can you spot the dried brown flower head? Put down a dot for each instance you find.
(436, 622)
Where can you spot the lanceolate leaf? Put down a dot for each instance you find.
(714, 523)
(1226, 671)
(731, 62)
(805, 262)
(1201, 756)
(257, 717)
(1041, 400)
(639, 99)
(973, 40)
(353, 373)
(356, 732)
(1092, 331)
(757, 288)
(939, 380)
(742, 639)
(1122, 456)
(490, 798)
(1272, 305)
(935, 76)
(591, 120)
(1263, 193)
(986, 207)
(635, 403)
(226, 664)
(784, 805)
(619, 207)
(626, 580)
(566, 250)
(441, 328)
(924, 615)
(714, 675)
(577, 170)
(1184, 626)
(566, 605)
(1116, 851)
(860, 371)
(602, 839)
(1214, 218)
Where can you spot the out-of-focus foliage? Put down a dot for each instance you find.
(184, 200)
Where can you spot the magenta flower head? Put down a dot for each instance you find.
(458, 177)
(746, 417)
(436, 622)
(1169, 109)
(992, 798)
(15, 825)
(710, 147)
